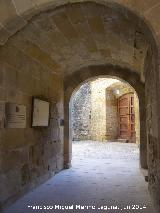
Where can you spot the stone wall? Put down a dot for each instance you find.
(81, 113)
(28, 156)
(111, 116)
(152, 107)
(101, 119)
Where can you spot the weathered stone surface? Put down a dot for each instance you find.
(75, 13)
(65, 26)
(7, 11)
(111, 115)
(22, 7)
(4, 35)
(84, 35)
(96, 25)
(81, 113)
(75, 35)
(104, 115)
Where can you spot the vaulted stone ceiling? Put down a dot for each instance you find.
(77, 35)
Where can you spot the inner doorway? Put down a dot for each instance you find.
(126, 118)
(106, 72)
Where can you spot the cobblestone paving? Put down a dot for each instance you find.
(103, 175)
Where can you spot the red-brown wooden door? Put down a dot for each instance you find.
(126, 117)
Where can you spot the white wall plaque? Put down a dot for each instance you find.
(15, 116)
(40, 113)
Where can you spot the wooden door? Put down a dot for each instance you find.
(126, 117)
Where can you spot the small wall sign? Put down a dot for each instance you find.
(40, 113)
(15, 115)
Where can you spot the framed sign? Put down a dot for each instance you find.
(40, 116)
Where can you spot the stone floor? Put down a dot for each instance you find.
(103, 175)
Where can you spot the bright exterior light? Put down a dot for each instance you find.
(116, 91)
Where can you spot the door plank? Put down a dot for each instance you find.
(126, 118)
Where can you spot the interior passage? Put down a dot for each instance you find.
(103, 174)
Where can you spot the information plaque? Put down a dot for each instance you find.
(15, 116)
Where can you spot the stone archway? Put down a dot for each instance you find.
(73, 82)
(18, 15)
